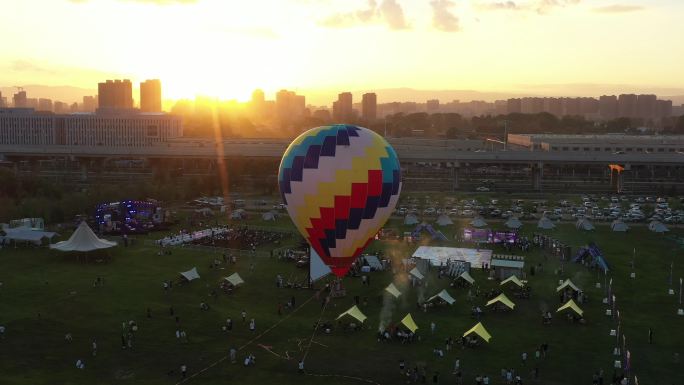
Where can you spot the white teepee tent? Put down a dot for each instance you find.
(83, 239)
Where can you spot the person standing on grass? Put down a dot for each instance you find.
(184, 370)
(252, 325)
(524, 358)
(433, 326)
(244, 316)
(301, 366)
(94, 347)
(650, 336)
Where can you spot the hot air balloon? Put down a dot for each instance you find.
(340, 184)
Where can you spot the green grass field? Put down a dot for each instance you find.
(45, 295)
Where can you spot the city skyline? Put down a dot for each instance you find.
(528, 48)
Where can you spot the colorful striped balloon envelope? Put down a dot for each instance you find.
(340, 184)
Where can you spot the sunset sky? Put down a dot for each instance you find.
(227, 48)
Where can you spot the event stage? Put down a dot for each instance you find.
(439, 256)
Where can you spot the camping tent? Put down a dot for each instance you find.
(235, 279)
(409, 323)
(411, 220)
(444, 220)
(512, 279)
(191, 274)
(444, 296)
(374, 262)
(238, 214)
(567, 283)
(478, 222)
(571, 305)
(657, 227)
(416, 273)
(545, 224)
(466, 277)
(479, 330)
(619, 226)
(268, 216)
(501, 298)
(584, 224)
(83, 239)
(355, 313)
(513, 223)
(393, 290)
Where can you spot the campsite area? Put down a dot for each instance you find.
(46, 295)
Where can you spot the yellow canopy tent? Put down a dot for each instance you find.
(409, 323)
(502, 299)
(393, 290)
(235, 279)
(444, 296)
(466, 277)
(567, 283)
(355, 313)
(571, 305)
(416, 273)
(480, 331)
(512, 279)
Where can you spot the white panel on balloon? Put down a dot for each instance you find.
(317, 268)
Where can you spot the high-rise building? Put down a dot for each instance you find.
(608, 106)
(73, 107)
(289, 106)
(553, 106)
(44, 104)
(432, 105)
(60, 107)
(627, 106)
(19, 100)
(646, 106)
(369, 106)
(663, 109)
(150, 96)
(514, 106)
(89, 103)
(115, 94)
(32, 103)
(571, 106)
(532, 105)
(2, 101)
(342, 108)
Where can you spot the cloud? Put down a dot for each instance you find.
(619, 8)
(157, 2)
(393, 14)
(538, 6)
(442, 18)
(388, 12)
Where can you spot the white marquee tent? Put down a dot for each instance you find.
(84, 240)
(545, 224)
(619, 226)
(191, 274)
(584, 224)
(513, 223)
(444, 220)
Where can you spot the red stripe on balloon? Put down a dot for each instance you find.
(342, 204)
(359, 194)
(374, 182)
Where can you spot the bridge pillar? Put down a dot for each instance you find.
(454, 172)
(538, 175)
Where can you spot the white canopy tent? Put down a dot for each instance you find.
(238, 214)
(478, 222)
(268, 216)
(234, 279)
(26, 234)
(411, 220)
(444, 296)
(444, 220)
(513, 223)
(84, 240)
(657, 227)
(619, 226)
(584, 224)
(545, 224)
(191, 274)
(416, 273)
